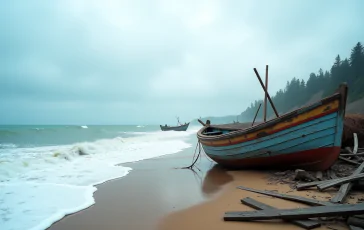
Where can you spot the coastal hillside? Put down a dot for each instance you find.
(299, 92)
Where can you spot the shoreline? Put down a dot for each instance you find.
(143, 173)
(158, 194)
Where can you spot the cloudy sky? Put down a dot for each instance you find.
(146, 61)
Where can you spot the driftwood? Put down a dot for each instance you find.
(303, 175)
(343, 180)
(349, 161)
(352, 154)
(297, 214)
(355, 222)
(288, 197)
(306, 224)
(345, 188)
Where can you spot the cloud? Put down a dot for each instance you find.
(147, 61)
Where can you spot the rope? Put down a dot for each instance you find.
(194, 162)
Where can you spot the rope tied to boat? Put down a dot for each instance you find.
(193, 159)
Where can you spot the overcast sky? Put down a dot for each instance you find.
(144, 62)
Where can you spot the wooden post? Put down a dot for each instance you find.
(265, 96)
(270, 100)
(256, 114)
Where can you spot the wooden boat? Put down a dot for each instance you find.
(307, 138)
(175, 128)
(179, 127)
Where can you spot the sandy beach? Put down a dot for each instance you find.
(158, 195)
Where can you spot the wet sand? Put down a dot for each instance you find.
(155, 195)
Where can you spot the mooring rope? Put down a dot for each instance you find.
(195, 160)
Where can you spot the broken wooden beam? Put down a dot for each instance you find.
(303, 200)
(306, 224)
(345, 188)
(343, 180)
(297, 214)
(303, 186)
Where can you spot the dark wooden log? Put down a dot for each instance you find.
(265, 90)
(201, 122)
(297, 214)
(256, 114)
(355, 222)
(306, 224)
(343, 180)
(288, 197)
(345, 188)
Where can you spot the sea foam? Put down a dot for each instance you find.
(39, 186)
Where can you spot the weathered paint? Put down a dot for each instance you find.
(308, 138)
(299, 119)
(314, 159)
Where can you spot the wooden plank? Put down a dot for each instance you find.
(297, 214)
(340, 181)
(288, 197)
(306, 224)
(355, 222)
(345, 188)
(303, 186)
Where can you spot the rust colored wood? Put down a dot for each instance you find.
(288, 197)
(306, 224)
(345, 188)
(256, 114)
(297, 214)
(265, 90)
(265, 96)
(343, 180)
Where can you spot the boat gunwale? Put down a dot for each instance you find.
(339, 94)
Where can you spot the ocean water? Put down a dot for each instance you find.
(47, 172)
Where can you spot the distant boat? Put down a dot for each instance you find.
(307, 138)
(179, 127)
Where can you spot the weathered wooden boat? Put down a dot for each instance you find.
(175, 128)
(307, 138)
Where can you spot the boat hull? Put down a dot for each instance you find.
(175, 128)
(308, 138)
(314, 159)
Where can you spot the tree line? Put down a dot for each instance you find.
(298, 92)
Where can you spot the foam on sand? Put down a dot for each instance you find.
(40, 185)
